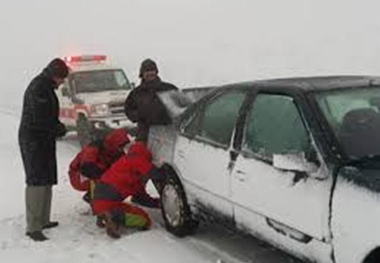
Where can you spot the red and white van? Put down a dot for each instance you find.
(92, 98)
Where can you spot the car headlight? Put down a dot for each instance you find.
(100, 109)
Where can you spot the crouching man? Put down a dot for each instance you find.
(95, 158)
(127, 177)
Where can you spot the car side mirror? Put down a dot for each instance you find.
(65, 91)
(294, 162)
(133, 85)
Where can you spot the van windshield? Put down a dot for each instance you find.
(354, 116)
(100, 80)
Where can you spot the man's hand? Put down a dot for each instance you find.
(144, 199)
(60, 130)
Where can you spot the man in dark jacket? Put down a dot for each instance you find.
(143, 104)
(38, 131)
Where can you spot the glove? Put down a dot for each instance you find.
(146, 201)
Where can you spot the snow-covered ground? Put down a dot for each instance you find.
(77, 239)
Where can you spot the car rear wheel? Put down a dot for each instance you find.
(175, 209)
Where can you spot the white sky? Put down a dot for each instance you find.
(198, 42)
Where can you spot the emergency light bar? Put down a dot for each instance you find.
(92, 58)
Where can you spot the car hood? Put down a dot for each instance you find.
(161, 139)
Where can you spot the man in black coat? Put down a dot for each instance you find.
(143, 104)
(38, 131)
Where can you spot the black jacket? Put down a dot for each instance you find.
(144, 106)
(38, 130)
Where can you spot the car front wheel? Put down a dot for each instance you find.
(175, 209)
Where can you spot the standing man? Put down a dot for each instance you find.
(143, 104)
(38, 131)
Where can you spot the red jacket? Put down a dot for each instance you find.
(126, 174)
(126, 177)
(96, 158)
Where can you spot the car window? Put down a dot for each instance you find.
(220, 116)
(120, 78)
(336, 104)
(354, 116)
(192, 124)
(100, 80)
(275, 126)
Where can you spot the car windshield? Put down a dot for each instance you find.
(354, 116)
(100, 80)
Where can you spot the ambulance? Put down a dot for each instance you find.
(92, 97)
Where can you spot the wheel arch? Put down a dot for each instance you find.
(373, 256)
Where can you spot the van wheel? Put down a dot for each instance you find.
(175, 209)
(84, 131)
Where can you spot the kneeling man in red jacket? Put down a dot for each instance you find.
(126, 177)
(95, 158)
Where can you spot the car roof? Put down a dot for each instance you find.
(318, 83)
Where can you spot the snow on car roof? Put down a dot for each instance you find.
(316, 83)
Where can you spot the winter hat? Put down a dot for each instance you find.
(58, 68)
(116, 139)
(147, 65)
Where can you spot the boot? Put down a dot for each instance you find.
(111, 227)
(87, 198)
(50, 225)
(37, 236)
(100, 222)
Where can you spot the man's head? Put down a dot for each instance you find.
(58, 70)
(116, 140)
(148, 70)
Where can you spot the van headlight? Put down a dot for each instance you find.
(100, 109)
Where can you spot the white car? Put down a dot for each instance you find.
(295, 162)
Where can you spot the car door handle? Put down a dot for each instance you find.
(241, 176)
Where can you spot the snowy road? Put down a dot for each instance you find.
(79, 240)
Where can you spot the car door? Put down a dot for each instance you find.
(202, 152)
(292, 204)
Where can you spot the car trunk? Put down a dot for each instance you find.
(162, 138)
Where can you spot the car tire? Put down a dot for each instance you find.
(84, 131)
(175, 209)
